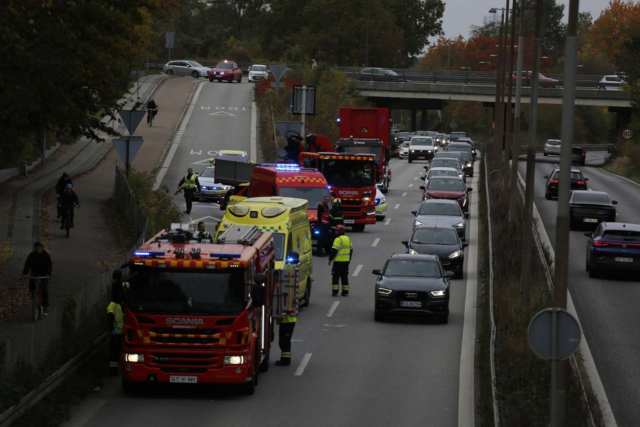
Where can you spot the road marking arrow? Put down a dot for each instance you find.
(221, 113)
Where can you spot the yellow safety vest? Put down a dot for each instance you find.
(190, 183)
(116, 310)
(343, 245)
(287, 319)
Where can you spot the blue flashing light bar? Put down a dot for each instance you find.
(290, 261)
(316, 232)
(287, 167)
(147, 253)
(223, 255)
(338, 120)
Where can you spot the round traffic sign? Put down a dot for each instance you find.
(453, 125)
(541, 331)
(627, 134)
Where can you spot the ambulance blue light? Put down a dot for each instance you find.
(316, 232)
(287, 168)
(147, 254)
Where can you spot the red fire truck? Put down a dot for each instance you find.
(351, 178)
(367, 130)
(200, 312)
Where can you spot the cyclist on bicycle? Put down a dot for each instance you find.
(152, 109)
(67, 201)
(39, 264)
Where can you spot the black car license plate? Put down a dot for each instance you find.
(416, 304)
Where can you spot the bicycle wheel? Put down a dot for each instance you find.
(35, 305)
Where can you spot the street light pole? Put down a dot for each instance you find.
(503, 83)
(366, 54)
(508, 143)
(515, 150)
(525, 274)
(558, 392)
(497, 110)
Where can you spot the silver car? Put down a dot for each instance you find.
(404, 150)
(439, 212)
(612, 82)
(552, 147)
(186, 68)
(438, 172)
(258, 72)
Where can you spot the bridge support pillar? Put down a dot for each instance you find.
(414, 114)
(423, 119)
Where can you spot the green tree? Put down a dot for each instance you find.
(280, 26)
(553, 30)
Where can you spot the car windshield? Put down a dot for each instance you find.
(590, 197)
(449, 154)
(575, 176)
(441, 172)
(278, 244)
(430, 236)
(259, 68)
(446, 209)
(421, 141)
(195, 292)
(553, 142)
(194, 64)
(405, 144)
(225, 66)
(390, 73)
(458, 135)
(466, 157)
(242, 158)
(412, 268)
(613, 79)
(403, 134)
(625, 235)
(459, 148)
(446, 184)
(360, 149)
(313, 195)
(352, 173)
(442, 163)
(209, 172)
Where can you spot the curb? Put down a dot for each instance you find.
(618, 176)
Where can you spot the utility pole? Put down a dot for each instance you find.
(515, 150)
(525, 274)
(503, 83)
(508, 143)
(558, 368)
(366, 54)
(497, 111)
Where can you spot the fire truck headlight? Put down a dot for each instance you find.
(234, 360)
(134, 358)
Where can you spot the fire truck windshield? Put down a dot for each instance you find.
(195, 292)
(352, 173)
(359, 149)
(313, 195)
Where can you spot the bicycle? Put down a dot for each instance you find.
(151, 113)
(66, 219)
(36, 305)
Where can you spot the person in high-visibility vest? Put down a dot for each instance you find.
(189, 183)
(115, 323)
(323, 225)
(341, 254)
(203, 234)
(286, 325)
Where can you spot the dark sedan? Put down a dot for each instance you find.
(578, 155)
(380, 75)
(442, 213)
(578, 182)
(442, 241)
(613, 246)
(414, 285)
(591, 208)
(443, 187)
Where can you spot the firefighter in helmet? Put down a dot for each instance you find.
(341, 253)
(286, 325)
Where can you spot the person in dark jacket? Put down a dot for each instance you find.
(189, 183)
(115, 324)
(60, 186)
(67, 202)
(323, 225)
(335, 219)
(152, 109)
(39, 264)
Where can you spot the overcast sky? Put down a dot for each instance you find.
(459, 15)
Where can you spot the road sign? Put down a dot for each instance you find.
(286, 127)
(277, 71)
(138, 72)
(170, 37)
(135, 142)
(550, 323)
(131, 119)
(627, 134)
(306, 94)
(453, 125)
(277, 84)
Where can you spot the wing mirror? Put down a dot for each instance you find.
(469, 189)
(422, 187)
(377, 272)
(586, 179)
(546, 177)
(615, 202)
(426, 167)
(450, 274)
(465, 244)
(466, 215)
(588, 234)
(405, 242)
(415, 213)
(293, 258)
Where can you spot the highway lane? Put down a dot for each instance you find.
(359, 372)
(607, 306)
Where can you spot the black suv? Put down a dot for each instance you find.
(578, 182)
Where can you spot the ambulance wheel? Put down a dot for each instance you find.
(307, 295)
(358, 227)
(385, 186)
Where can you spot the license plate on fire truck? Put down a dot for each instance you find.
(183, 380)
(349, 221)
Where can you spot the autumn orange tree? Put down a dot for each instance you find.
(615, 27)
(445, 54)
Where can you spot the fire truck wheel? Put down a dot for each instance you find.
(249, 388)
(358, 227)
(264, 366)
(307, 295)
(385, 186)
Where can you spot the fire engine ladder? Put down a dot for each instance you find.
(240, 235)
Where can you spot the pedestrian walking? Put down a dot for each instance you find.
(341, 254)
(189, 183)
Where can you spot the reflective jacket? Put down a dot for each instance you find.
(342, 249)
(190, 182)
(115, 317)
(287, 319)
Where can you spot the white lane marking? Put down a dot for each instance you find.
(333, 308)
(253, 152)
(466, 390)
(85, 413)
(415, 179)
(387, 221)
(303, 364)
(375, 242)
(176, 139)
(404, 194)
(410, 185)
(397, 206)
(358, 268)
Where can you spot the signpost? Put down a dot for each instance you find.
(277, 71)
(627, 134)
(128, 147)
(170, 37)
(304, 101)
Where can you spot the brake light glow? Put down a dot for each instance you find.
(583, 154)
(554, 181)
(601, 244)
(581, 182)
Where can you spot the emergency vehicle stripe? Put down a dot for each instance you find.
(300, 179)
(187, 263)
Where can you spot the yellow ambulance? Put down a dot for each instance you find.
(287, 219)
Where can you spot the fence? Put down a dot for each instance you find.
(135, 218)
(74, 322)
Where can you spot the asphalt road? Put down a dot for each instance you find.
(607, 307)
(358, 372)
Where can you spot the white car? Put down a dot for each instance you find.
(211, 190)
(186, 68)
(404, 150)
(381, 205)
(612, 82)
(258, 72)
(552, 146)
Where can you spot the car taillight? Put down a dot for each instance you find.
(554, 181)
(583, 154)
(601, 244)
(581, 183)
